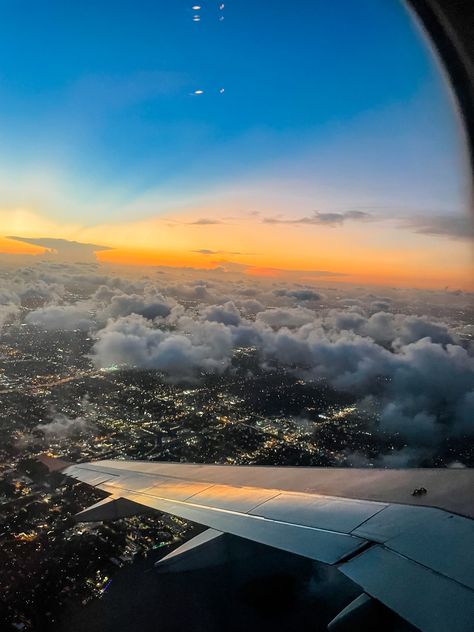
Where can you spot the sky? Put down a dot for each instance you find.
(314, 137)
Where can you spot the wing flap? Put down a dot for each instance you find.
(426, 599)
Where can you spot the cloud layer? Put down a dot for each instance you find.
(413, 373)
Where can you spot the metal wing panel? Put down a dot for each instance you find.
(434, 538)
(322, 512)
(317, 544)
(132, 481)
(86, 471)
(393, 520)
(448, 489)
(241, 499)
(91, 477)
(429, 601)
(441, 545)
(167, 488)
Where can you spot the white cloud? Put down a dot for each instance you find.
(286, 317)
(133, 341)
(61, 317)
(227, 314)
(62, 426)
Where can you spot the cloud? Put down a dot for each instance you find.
(8, 311)
(149, 306)
(64, 427)
(300, 295)
(206, 221)
(247, 291)
(63, 249)
(132, 341)
(227, 314)
(319, 218)
(379, 306)
(24, 289)
(250, 306)
(207, 252)
(451, 226)
(425, 389)
(199, 291)
(411, 375)
(286, 317)
(406, 457)
(390, 329)
(300, 275)
(61, 317)
(351, 302)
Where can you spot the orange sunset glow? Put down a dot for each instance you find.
(375, 252)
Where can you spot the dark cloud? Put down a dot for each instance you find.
(227, 314)
(379, 306)
(63, 249)
(305, 275)
(290, 317)
(200, 291)
(425, 389)
(250, 306)
(206, 251)
(149, 306)
(247, 291)
(452, 226)
(206, 221)
(304, 294)
(389, 329)
(324, 219)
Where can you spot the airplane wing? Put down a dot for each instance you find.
(414, 552)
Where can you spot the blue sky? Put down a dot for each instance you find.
(96, 98)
